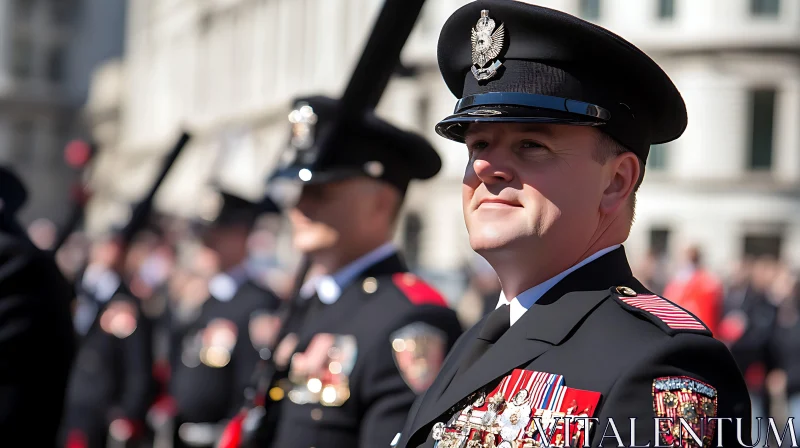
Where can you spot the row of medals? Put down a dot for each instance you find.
(489, 428)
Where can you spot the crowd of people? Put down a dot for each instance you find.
(755, 310)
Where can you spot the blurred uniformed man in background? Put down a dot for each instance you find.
(365, 336)
(111, 385)
(558, 116)
(37, 342)
(213, 357)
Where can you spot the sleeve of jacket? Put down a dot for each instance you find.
(244, 366)
(139, 383)
(684, 378)
(389, 397)
(37, 342)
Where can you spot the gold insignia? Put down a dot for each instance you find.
(688, 399)
(370, 285)
(487, 43)
(276, 394)
(419, 350)
(119, 319)
(321, 374)
(219, 338)
(670, 400)
(625, 291)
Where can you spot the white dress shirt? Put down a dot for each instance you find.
(520, 304)
(329, 287)
(225, 285)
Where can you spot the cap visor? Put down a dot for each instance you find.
(455, 126)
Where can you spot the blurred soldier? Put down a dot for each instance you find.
(37, 343)
(748, 329)
(213, 357)
(366, 336)
(111, 386)
(785, 379)
(697, 290)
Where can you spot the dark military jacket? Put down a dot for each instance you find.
(213, 357)
(37, 344)
(390, 331)
(112, 376)
(597, 345)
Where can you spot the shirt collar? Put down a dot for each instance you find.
(329, 287)
(224, 286)
(526, 299)
(101, 282)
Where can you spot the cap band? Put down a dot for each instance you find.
(533, 100)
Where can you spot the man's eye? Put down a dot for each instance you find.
(477, 146)
(531, 145)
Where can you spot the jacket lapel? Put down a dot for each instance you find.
(545, 325)
(349, 301)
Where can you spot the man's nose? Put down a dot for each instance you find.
(492, 168)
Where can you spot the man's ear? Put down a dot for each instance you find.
(623, 174)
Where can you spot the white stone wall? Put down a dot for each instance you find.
(231, 66)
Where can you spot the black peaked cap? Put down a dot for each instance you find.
(366, 146)
(541, 65)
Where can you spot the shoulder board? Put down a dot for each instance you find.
(666, 315)
(417, 291)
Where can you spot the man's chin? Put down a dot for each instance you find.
(310, 246)
(491, 244)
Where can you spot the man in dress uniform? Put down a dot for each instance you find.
(37, 343)
(213, 357)
(111, 385)
(366, 336)
(557, 116)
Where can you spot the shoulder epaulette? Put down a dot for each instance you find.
(669, 317)
(417, 291)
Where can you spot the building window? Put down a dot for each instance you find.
(657, 159)
(22, 55)
(762, 120)
(659, 241)
(23, 141)
(412, 233)
(666, 9)
(757, 245)
(55, 64)
(765, 7)
(590, 9)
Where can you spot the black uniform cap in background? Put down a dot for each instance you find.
(13, 196)
(510, 61)
(236, 210)
(12, 192)
(366, 146)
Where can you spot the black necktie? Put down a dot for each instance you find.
(498, 322)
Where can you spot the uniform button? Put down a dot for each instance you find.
(370, 285)
(625, 291)
(276, 394)
(316, 414)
